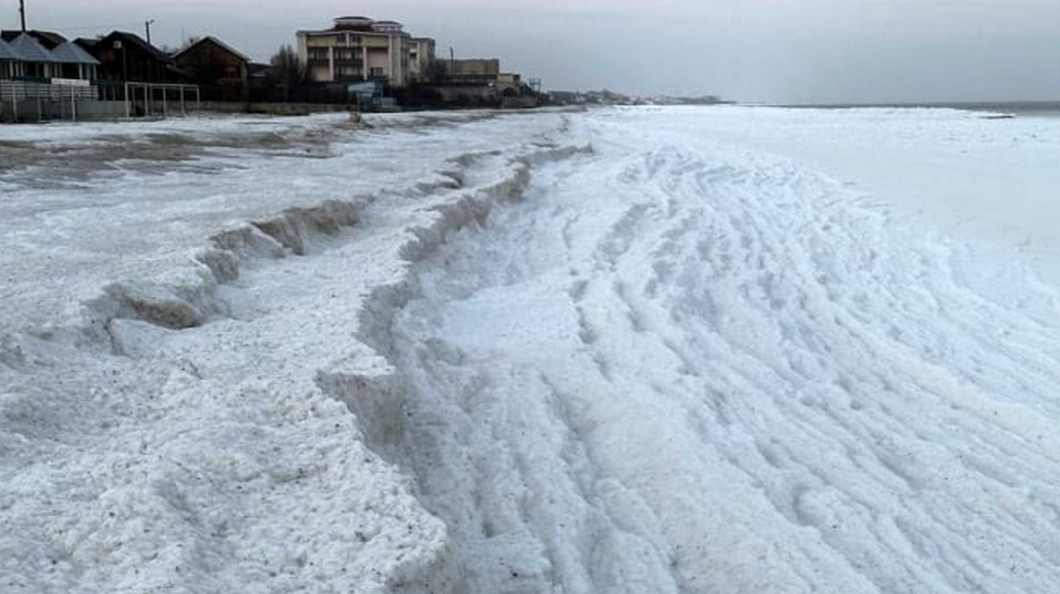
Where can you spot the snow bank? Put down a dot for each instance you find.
(191, 429)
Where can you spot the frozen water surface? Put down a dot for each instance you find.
(721, 350)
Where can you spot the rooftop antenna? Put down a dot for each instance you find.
(147, 28)
(22, 13)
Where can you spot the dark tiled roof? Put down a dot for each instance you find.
(48, 39)
(219, 44)
(136, 40)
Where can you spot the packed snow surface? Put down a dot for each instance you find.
(625, 350)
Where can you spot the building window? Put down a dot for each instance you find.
(377, 72)
(318, 54)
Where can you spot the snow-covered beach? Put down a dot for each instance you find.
(624, 350)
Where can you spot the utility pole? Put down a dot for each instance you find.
(22, 13)
(147, 28)
(452, 62)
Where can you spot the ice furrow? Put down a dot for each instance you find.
(803, 392)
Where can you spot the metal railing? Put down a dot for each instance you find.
(145, 99)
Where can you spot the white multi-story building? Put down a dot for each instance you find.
(359, 48)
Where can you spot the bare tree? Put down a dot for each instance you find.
(288, 72)
(436, 71)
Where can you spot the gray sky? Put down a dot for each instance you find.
(749, 50)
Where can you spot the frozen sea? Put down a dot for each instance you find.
(625, 350)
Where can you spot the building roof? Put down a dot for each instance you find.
(218, 43)
(362, 25)
(86, 43)
(30, 50)
(388, 26)
(70, 53)
(258, 69)
(7, 53)
(368, 31)
(137, 41)
(48, 39)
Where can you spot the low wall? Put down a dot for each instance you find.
(34, 110)
(39, 109)
(272, 108)
(518, 102)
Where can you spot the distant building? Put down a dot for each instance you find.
(125, 56)
(222, 72)
(482, 72)
(473, 67)
(358, 49)
(421, 54)
(507, 82)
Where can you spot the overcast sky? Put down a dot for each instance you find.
(748, 50)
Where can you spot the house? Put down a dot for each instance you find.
(222, 72)
(125, 56)
(36, 61)
(47, 55)
(356, 49)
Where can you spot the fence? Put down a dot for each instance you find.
(27, 100)
(32, 101)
